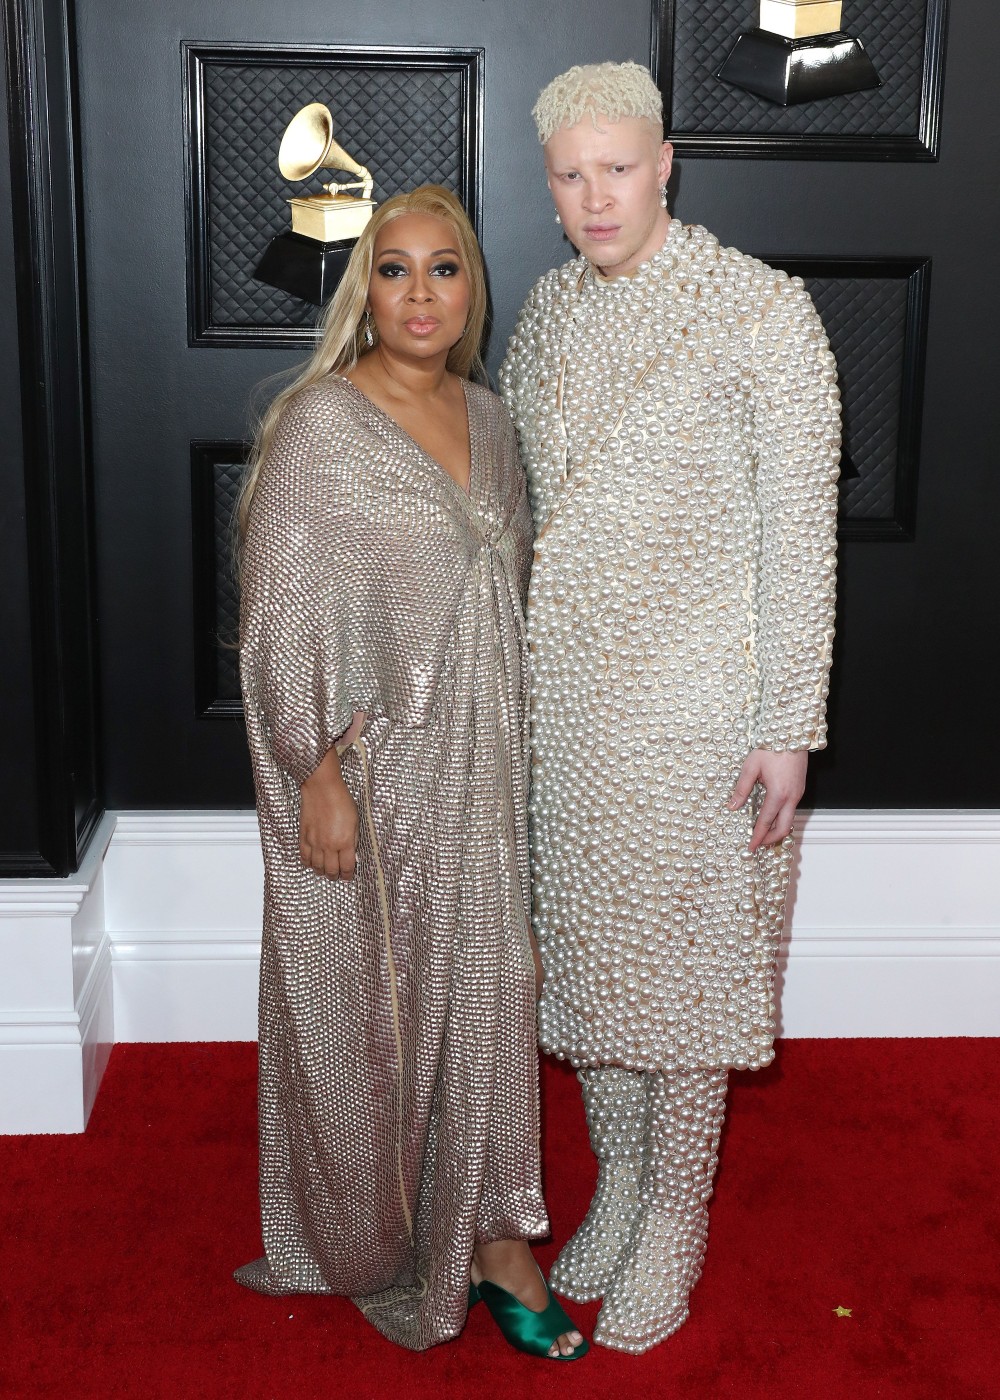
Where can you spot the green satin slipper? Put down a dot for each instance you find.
(529, 1331)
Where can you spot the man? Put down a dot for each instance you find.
(677, 409)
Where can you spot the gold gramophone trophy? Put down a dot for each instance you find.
(797, 53)
(309, 261)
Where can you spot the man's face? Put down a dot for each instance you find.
(606, 187)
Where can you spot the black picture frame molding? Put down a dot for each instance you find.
(197, 57)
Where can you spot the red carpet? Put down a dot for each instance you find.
(855, 1174)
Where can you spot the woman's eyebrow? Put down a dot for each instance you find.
(402, 253)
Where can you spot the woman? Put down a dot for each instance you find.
(386, 544)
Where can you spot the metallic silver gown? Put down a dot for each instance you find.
(398, 1062)
(680, 430)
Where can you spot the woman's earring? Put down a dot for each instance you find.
(663, 196)
(369, 338)
(558, 220)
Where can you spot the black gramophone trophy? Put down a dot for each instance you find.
(309, 261)
(798, 53)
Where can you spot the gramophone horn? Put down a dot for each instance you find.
(308, 145)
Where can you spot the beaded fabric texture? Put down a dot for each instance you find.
(648, 1298)
(680, 430)
(398, 1066)
(615, 1101)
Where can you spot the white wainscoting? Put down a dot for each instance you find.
(894, 930)
(56, 1001)
(184, 895)
(894, 925)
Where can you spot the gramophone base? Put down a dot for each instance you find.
(788, 71)
(303, 267)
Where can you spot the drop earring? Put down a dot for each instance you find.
(369, 338)
(663, 196)
(558, 220)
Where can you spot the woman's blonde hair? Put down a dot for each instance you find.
(342, 326)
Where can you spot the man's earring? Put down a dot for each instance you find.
(663, 196)
(369, 338)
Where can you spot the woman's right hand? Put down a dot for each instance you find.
(328, 822)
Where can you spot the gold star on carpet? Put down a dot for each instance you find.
(842, 1312)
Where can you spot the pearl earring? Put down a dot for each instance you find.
(663, 196)
(558, 220)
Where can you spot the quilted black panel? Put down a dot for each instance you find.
(705, 31)
(903, 38)
(867, 319)
(225, 488)
(217, 469)
(409, 122)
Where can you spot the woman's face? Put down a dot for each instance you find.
(419, 290)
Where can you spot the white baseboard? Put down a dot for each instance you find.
(185, 891)
(894, 930)
(169, 988)
(56, 1003)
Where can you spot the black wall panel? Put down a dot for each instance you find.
(916, 672)
(46, 487)
(19, 810)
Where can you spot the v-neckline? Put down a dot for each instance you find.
(464, 491)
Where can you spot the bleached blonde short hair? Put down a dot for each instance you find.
(616, 90)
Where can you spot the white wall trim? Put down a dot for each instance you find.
(180, 828)
(56, 1006)
(881, 943)
(48, 1026)
(893, 929)
(224, 948)
(846, 826)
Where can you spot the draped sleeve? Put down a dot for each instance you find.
(797, 447)
(346, 604)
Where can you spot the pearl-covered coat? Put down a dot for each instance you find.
(680, 430)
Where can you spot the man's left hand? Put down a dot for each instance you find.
(783, 778)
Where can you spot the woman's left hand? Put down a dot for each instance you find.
(783, 778)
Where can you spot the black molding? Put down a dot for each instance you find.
(469, 62)
(207, 548)
(923, 145)
(44, 166)
(916, 272)
(31, 865)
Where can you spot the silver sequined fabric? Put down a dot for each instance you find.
(398, 1067)
(680, 430)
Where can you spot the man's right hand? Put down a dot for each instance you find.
(328, 822)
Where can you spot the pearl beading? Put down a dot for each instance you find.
(648, 1298)
(615, 1102)
(680, 430)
